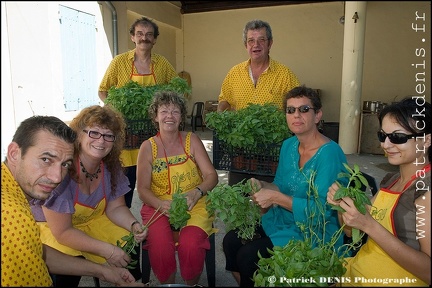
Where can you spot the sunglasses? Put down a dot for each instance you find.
(96, 135)
(302, 109)
(396, 138)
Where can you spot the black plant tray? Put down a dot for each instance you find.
(137, 131)
(260, 161)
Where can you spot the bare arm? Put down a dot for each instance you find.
(210, 177)
(144, 171)
(60, 263)
(103, 95)
(223, 105)
(65, 233)
(269, 194)
(121, 215)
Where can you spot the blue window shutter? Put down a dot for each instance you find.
(78, 44)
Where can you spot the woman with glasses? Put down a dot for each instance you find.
(398, 224)
(285, 200)
(86, 214)
(170, 162)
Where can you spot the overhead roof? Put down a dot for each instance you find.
(187, 7)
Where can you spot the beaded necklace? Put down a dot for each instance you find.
(90, 175)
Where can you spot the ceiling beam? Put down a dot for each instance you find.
(207, 6)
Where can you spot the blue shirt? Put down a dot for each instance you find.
(279, 223)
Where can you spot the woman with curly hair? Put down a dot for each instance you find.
(86, 214)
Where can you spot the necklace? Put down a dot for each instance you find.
(90, 175)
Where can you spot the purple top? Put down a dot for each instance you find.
(62, 198)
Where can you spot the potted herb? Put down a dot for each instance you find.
(311, 261)
(249, 135)
(234, 208)
(252, 127)
(133, 101)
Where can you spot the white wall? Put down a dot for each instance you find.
(32, 61)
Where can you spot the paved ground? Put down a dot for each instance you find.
(374, 165)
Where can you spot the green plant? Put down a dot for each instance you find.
(178, 212)
(231, 205)
(252, 127)
(308, 262)
(353, 190)
(133, 100)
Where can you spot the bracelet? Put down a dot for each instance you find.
(112, 253)
(200, 190)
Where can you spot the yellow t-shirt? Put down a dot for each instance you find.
(22, 262)
(239, 90)
(119, 71)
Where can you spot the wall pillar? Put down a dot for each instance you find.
(352, 75)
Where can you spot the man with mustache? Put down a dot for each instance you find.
(142, 66)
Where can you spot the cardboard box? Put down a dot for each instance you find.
(211, 106)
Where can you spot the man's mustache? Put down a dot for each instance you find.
(145, 41)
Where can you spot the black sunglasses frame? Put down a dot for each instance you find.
(88, 132)
(396, 138)
(302, 109)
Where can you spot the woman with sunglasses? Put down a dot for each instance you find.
(398, 224)
(86, 214)
(285, 200)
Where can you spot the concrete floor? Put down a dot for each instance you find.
(374, 165)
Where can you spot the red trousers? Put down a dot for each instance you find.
(161, 245)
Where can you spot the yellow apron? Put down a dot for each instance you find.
(90, 220)
(372, 266)
(129, 157)
(183, 175)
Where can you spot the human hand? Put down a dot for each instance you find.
(255, 184)
(192, 198)
(263, 198)
(119, 258)
(165, 207)
(140, 235)
(119, 277)
(331, 192)
(352, 217)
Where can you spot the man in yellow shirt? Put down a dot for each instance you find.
(260, 79)
(142, 66)
(38, 158)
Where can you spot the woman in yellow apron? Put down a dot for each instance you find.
(175, 161)
(86, 214)
(398, 248)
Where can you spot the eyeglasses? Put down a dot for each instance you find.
(260, 41)
(396, 138)
(97, 135)
(175, 113)
(302, 109)
(141, 34)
